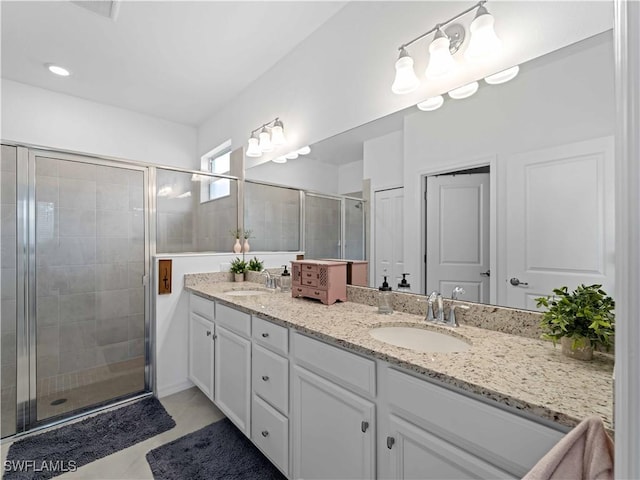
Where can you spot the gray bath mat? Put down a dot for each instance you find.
(215, 452)
(66, 448)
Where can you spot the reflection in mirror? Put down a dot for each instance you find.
(547, 137)
(273, 215)
(195, 212)
(322, 227)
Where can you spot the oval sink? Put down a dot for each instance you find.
(244, 293)
(419, 339)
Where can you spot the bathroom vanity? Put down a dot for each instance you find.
(322, 398)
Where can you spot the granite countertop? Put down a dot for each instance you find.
(523, 373)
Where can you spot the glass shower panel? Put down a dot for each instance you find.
(354, 229)
(273, 216)
(8, 315)
(322, 227)
(90, 298)
(195, 212)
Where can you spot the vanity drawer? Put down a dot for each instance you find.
(234, 320)
(270, 432)
(270, 377)
(348, 369)
(271, 335)
(310, 282)
(481, 429)
(201, 306)
(308, 268)
(310, 292)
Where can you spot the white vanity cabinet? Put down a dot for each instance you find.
(201, 344)
(333, 428)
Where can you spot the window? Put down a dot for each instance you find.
(217, 161)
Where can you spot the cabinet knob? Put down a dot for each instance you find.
(208, 333)
(265, 378)
(364, 426)
(265, 433)
(265, 335)
(390, 442)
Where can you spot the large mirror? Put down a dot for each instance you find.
(508, 193)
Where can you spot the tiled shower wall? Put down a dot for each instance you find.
(90, 263)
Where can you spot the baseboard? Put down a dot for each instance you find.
(175, 388)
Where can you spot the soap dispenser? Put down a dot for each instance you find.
(285, 280)
(404, 286)
(385, 298)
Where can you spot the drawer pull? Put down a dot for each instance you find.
(265, 433)
(316, 292)
(364, 426)
(208, 333)
(390, 442)
(265, 378)
(265, 335)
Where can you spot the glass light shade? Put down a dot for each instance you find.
(265, 141)
(503, 76)
(484, 42)
(277, 134)
(253, 150)
(58, 70)
(431, 104)
(279, 160)
(291, 155)
(440, 59)
(306, 150)
(406, 80)
(464, 91)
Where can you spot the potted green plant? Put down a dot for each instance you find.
(236, 233)
(580, 319)
(246, 235)
(238, 267)
(255, 265)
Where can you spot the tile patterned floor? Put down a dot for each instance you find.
(191, 411)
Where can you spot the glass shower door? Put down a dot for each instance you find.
(87, 269)
(322, 226)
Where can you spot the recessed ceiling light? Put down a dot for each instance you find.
(58, 70)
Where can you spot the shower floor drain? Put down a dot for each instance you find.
(58, 401)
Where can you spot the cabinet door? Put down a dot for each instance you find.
(333, 430)
(233, 377)
(201, 347)
(414, 453)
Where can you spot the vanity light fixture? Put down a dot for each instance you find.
(58, 70)
(431, 104)
(282, 159)
(503, 76)
(447, 40)
(306, 150)
(291, 155)
(464, 91)
(270, 136)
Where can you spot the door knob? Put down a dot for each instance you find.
(265, 433)
(390, 442)
(516, 282)
(485, 274)
(364, 426)
(265, 378)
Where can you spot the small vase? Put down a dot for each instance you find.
(578, 348)
(237, 247)
(239, 277)
(246, 246)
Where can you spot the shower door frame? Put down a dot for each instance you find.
(26, 388)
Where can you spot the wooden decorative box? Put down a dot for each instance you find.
(357, 271)
(320, 279)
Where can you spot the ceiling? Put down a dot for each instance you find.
(177, 60)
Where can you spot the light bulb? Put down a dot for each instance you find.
(440, 59)
(306, 150)
(406, 80)
(464, 91)
(484, 42)
(265, 140)
(279, 160)
(291, 155)
(253, 150)
(431, 104)
(277, 134)
(503, 76)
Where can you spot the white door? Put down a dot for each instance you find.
(333, 430)
(457, 233)
(233, 377)
(201, 353)
(559, 220)
(414, 453)
(388, 225)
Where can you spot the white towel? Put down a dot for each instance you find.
(586, 452)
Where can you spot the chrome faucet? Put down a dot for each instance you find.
(431, 316)
(451, 320)
(269, 282)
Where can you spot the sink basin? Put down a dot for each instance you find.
(419, 339)
(244, 293)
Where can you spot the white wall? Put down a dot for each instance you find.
(384, 161)
(36, 116)
(564, 97)
(305, 173)
(172, 311)
(340, 76)
(350, 177)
